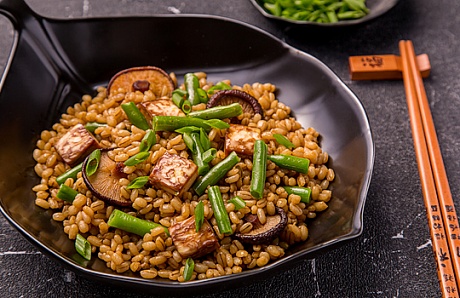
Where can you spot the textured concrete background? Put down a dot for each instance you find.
(393, 257)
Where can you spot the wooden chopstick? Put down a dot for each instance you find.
(435, 187)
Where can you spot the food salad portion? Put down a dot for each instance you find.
(182, 182)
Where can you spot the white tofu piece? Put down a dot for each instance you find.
(241, 139)
(76, 144)
(189, 242)
(174, 174)
(159, 107)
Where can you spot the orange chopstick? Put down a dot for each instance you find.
(440, 209)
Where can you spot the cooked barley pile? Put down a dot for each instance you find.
(155, 254)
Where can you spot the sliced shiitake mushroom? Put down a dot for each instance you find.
(143, 78)
(225, 97)
(104, 182)
(264, 233)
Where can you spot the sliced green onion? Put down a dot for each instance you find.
(218, 207)
(92, 126)
(209, 155)
(238, 202)
(216, 123)
(66, 193)
(83, 247)
(298, 164)
(135, 116)
(138, 182)
(72, 173)
(188, 269)
(219, 112)
(303, 192)
(216, 173)
(189, 142)
(188, 129)
(259, 169)
(186, 106)
(137, 158)
(282, 140)
(197, 155)
(149, 139)
(93, 162)
(199, 215)
(219, 86)
(204, 140)
(126, 222)
(202, 95)
(178, 97)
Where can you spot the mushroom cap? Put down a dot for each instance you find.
(264, 233)
(226, 97)
(159, 81)
(104, 182)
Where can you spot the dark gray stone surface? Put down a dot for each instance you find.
(393, 257)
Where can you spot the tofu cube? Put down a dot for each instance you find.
(189, 242)
(159, 107)
(241, 139)
(76, 144)
(174, 174)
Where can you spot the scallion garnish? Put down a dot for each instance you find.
(199, 215)
(135, 116)
(188, 269)
(136, 159)
(148, 141)
(83, 247)
(138, 182)
(237, 202)
(93, 162)
(282, 140)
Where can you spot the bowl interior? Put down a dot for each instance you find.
(48, 74)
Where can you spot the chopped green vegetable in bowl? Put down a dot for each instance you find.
(323, 12)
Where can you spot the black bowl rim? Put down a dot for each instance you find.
(293, 258)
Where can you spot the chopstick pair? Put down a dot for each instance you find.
(442, 217)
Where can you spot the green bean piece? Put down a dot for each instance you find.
(219, 112)
(238, 202)
(303, 192)
(298, 164)
(219, 86)
(199, 215)
(135, 116)
(72, 173)
(192, 83)
(218, 207)
(188, 269)
(216, 173)
(93, 162)
(172, 123)
(138, 182)
(203, 167)
(137, 158)
(149, 139)
(83, 247)
(129, 223)
(259, 169)
(282, 140)
(66, 193)
(92, 126)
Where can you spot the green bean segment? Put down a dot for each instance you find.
(216, 173)
(72, 173)
(219, 112)
(173, 123)
(259, 169)
(135, 116)
(66, 193)
(290, 162)
(303, 192)
(218, 207)
(126, 222)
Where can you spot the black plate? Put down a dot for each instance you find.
(55, 61)
(376, 9)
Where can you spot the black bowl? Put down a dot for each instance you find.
(54, 62)
(376, 9)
